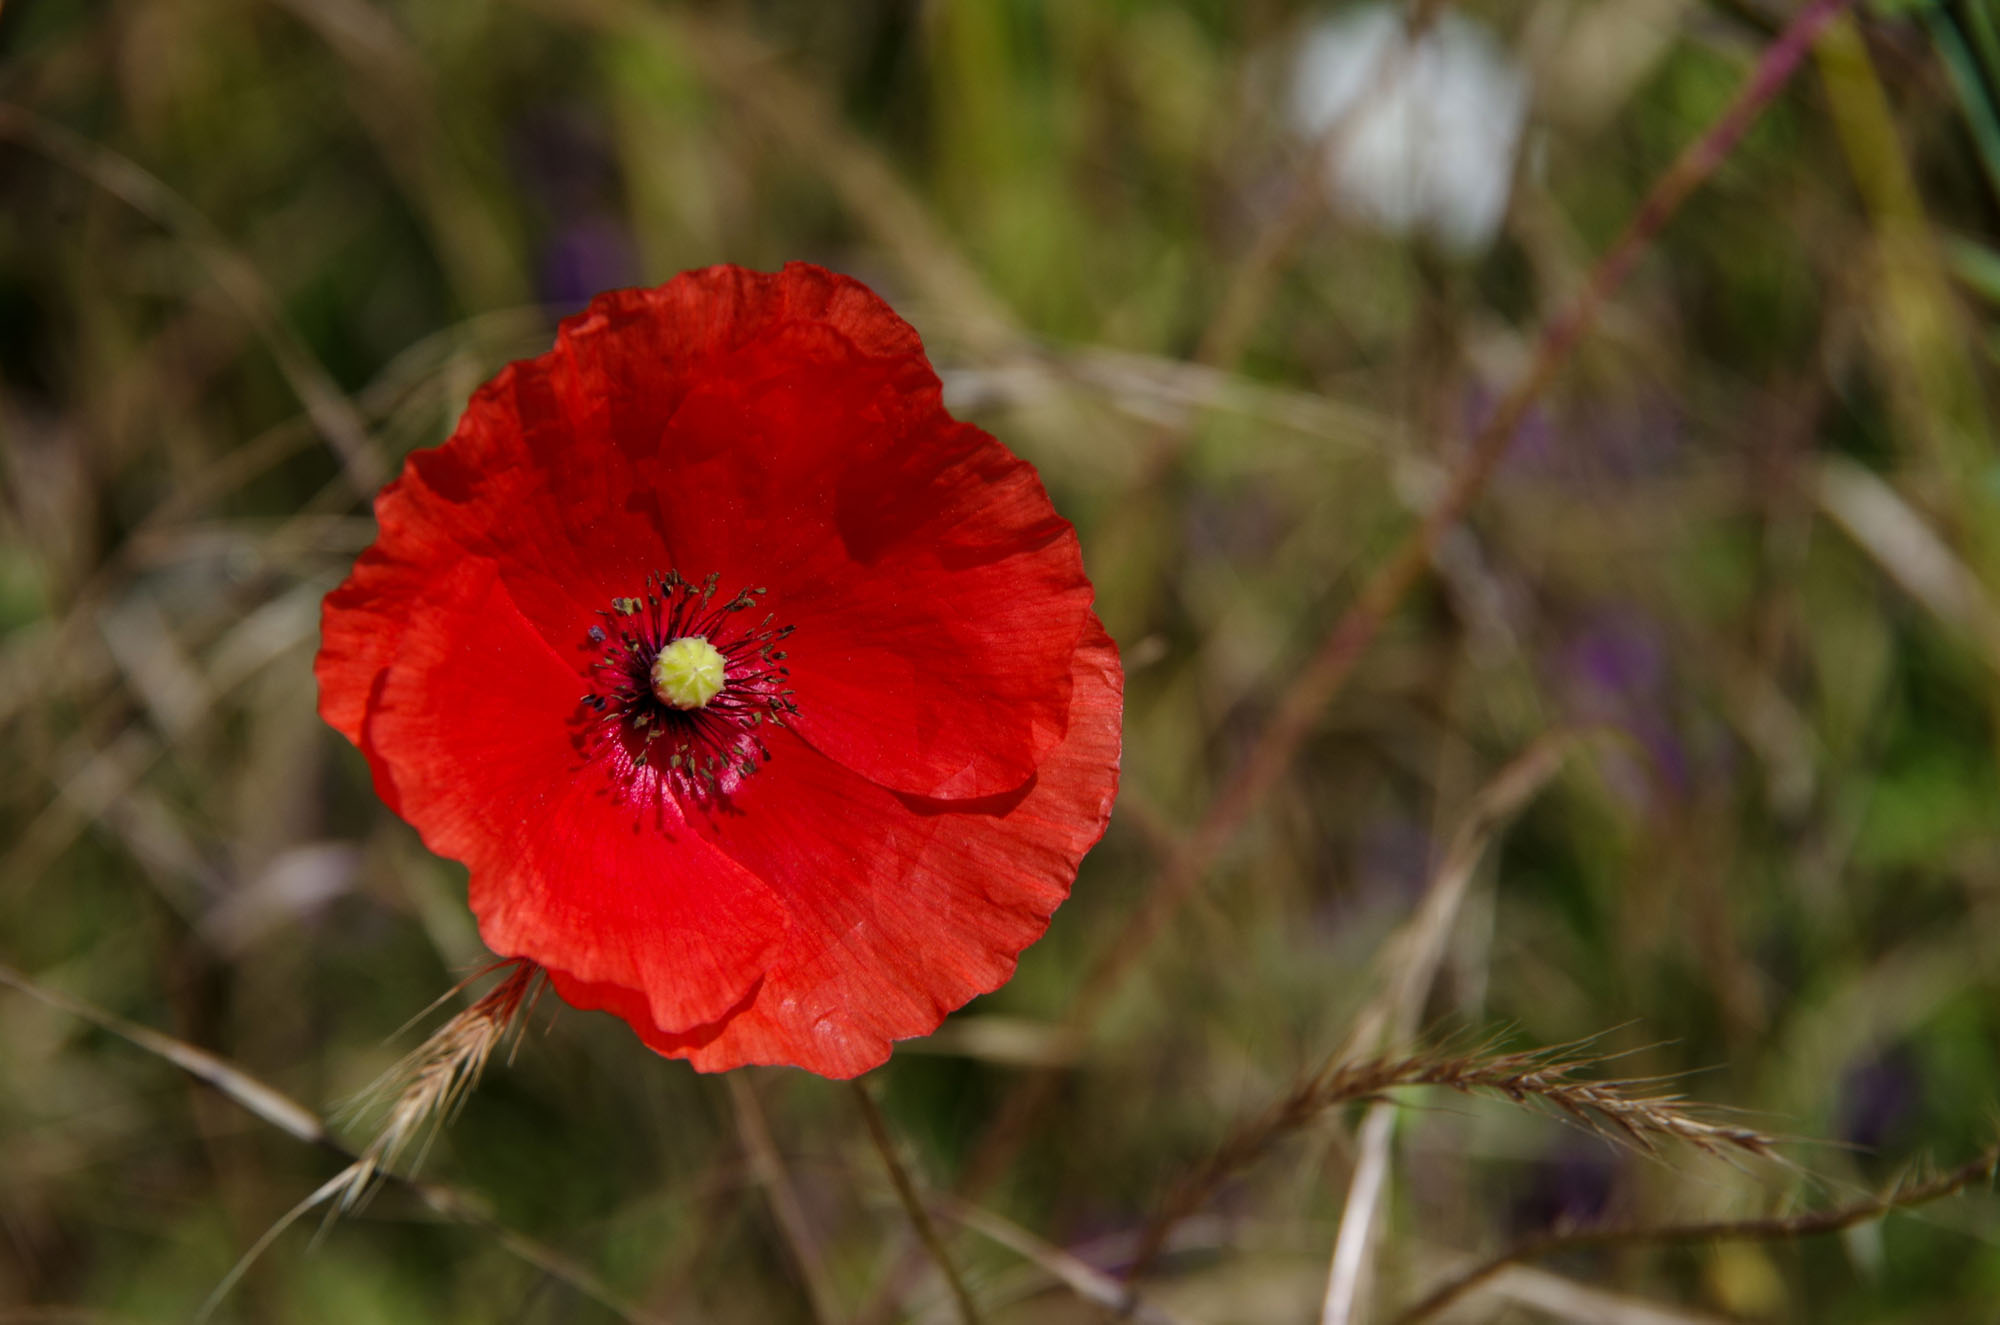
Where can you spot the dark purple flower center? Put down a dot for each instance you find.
(698, 751)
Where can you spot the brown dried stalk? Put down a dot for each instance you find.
(289, 1116)
(1776, 1229)
(913, 1203)
(768, 1167)
(1326, 672)
(432, 1081)
(331, 413)
(1387, 1024)
(1626, 1111)
(425, 1087)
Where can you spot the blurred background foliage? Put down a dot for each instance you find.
(254, 251)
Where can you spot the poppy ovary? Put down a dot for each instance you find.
(686, 688)
(689, 672)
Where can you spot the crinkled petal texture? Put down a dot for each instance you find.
(954, 749)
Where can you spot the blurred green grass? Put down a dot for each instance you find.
(1750, 531)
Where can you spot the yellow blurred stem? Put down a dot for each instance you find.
(1921, 339)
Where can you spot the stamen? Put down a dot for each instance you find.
(683, 691)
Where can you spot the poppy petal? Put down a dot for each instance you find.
(474, 721)
(937, 595)
(868, 839)
(903, 909)
(561, 535)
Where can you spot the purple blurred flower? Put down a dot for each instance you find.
(1878, 1099)
(1614, 670)
(1573, 1185)
(1393, 857)
(565, 164)
(1603, 441)
(591, 254)
(1616, 660)
(1235, 525)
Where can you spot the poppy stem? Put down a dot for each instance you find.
(906, 1191)
(769, 1170)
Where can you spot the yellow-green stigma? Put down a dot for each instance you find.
(685, 688)
(688, 673)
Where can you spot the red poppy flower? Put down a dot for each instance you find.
(763, 699)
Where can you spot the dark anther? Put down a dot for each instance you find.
(701, 752)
